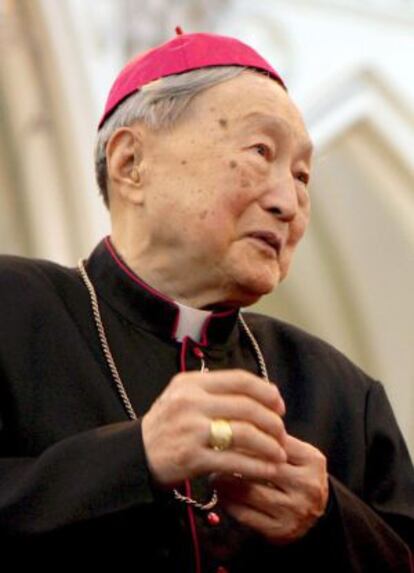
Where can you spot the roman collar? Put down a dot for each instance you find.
(147, 308)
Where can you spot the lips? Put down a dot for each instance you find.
(267, 238)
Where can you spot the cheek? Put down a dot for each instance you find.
(222, 199)
(299, 225)
(249, 172)
(297, 230)
(244, 186)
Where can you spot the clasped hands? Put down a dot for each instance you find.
(283, 490)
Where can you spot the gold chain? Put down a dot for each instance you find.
(120, 385)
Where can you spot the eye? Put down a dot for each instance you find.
(303, 177)
(263, 150)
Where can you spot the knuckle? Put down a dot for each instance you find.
(269, 471)
(240, 381)
(320, 458)
(302, 511)
(180, 399)
(177, 379)
(274, 392)
(183, 457)
(183, 379)
(279, 426)
(274, 389)
(242, 433)
(246, 409)
(245, 378)
(317, 496)
(243, 375)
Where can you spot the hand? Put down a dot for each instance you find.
(176, 429)
(286, 509)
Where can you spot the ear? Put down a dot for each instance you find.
(124, 158)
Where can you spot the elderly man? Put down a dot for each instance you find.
(142, 416)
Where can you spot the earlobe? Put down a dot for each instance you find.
(124, 156)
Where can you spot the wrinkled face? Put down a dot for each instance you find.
(227, 196)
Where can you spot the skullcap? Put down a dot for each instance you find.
(185, 52)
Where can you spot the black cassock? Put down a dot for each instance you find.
(73, 476)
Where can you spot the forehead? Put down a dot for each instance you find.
(252, 100)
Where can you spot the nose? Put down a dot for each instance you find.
(281, 198)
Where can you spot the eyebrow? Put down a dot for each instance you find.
(276, 125)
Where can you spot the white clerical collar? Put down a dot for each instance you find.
(190, 322)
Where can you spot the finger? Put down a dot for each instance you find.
(289, 478)
(249, 439)
(280, 530)
(261, 498)
(243, 408)
(302, 453)
(244, 383)
(234, 462)
(254, 518)
(305, 484)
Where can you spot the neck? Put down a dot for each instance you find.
(183, 287)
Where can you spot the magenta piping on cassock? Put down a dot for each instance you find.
(187, 484)
(141, 283)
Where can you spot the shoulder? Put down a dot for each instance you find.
(21, 269)
(23, 279)
(308, 355)
(290, 335)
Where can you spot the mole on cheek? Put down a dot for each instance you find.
(223, 122)
(233, 164)
(184, 162)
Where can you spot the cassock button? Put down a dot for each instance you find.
(221, 569)
(198, 352)
(213, 518)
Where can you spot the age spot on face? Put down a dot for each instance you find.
(233, 164)
(203, 214)
(245, 183)
(223, 122)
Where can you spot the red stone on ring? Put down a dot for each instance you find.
(213, 518)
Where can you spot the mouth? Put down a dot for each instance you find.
(267, 240)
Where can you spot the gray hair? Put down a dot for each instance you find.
(158, 104)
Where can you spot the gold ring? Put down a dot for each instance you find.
(221, 435)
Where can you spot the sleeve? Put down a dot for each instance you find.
(375, 533)
(92, 475)
(87, 476)
(362, 539)
(389, 477)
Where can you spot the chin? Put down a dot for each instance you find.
(251, 291)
